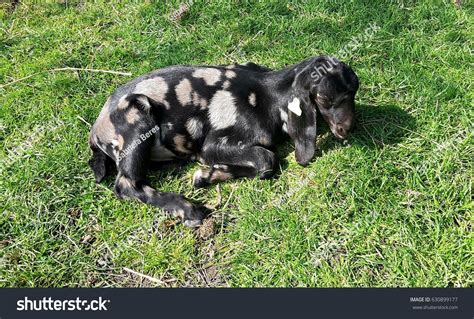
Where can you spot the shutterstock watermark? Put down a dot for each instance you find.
(355, 43)
(50, 304)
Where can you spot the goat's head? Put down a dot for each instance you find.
(326, 85)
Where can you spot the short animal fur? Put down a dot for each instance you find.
(227, 117)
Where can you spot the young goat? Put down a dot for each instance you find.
(227, 117)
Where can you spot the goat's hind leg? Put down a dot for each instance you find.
(131, 183)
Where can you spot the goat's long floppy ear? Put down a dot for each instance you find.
(302, 118)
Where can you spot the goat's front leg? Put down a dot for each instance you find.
(232, 161)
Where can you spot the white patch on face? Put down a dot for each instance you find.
(285, 128)
(253, 99)
(132, 116)
(226, 85)
(194, 127)
(294, 106)
(230, 74)
(222, 110)
(179, 142)
(209, 75)
(154, 88)
(183, 91)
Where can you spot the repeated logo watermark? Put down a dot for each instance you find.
(348, 49)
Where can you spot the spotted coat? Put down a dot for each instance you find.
(227, 117)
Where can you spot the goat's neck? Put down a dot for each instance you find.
(279, 87)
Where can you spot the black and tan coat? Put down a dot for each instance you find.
(227, 117)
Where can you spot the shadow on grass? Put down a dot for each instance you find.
(380, 125)
(376, 127)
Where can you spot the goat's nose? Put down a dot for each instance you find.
(348, 124)
(341, 130)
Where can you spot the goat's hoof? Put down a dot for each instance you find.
(192, 223)
(201, 178)
(266, 174)
(192, 216)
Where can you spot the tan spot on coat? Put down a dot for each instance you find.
(194, 126)
(253, 99)
(230, 74)
(222, 110)
(183, 91)
(123, 103)
(154, 88)
(180, 142)
(120, 142)
(209, 75)
(226, 85)
(199, 100)
(264, 140)
(103, 130)
(132, 116)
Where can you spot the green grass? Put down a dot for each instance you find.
(393, 207)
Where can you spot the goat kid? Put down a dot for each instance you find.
(227, 117)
